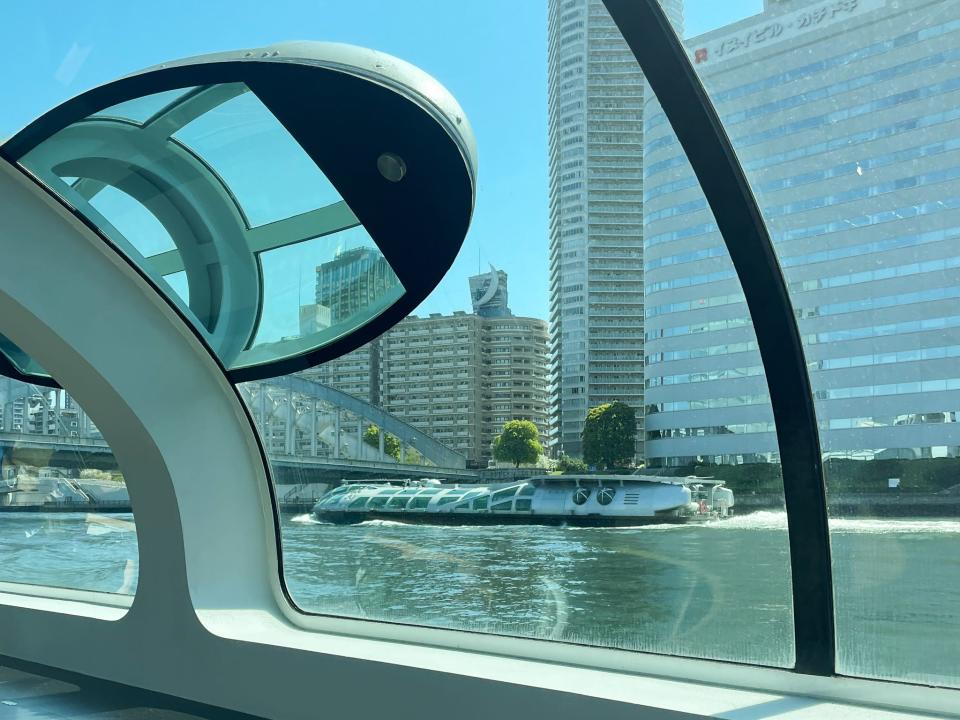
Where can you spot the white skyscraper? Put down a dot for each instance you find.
(596, 95)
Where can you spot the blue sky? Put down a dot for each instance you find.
(491, 54)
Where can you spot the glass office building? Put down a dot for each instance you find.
(864, 220)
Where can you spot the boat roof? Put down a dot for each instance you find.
(594, 478)
(591, 478)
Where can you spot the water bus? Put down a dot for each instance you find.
(590, 500)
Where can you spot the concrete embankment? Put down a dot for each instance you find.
(865, 505)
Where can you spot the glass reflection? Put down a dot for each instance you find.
(843, 115)
(65, 517)
(210, 195)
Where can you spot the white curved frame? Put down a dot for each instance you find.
(210, 621)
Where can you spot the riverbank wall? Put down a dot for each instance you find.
(864, 504)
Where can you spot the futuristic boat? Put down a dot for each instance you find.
(590, 500)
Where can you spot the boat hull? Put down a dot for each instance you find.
(427, 518)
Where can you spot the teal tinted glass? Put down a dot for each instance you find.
(234, 138)
(206, 191)
(141, 109)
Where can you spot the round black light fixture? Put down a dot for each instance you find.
(392, 167)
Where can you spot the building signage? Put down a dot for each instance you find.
(773, 29)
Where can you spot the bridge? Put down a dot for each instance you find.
(311, 433)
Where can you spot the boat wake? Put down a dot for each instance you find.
(383, 523)
(882, 526)
(773, 520)
(620, 528)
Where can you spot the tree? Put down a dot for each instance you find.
(570, 465)
(610, 435)
(518, 442)
(391, 445)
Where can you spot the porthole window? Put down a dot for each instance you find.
(581, 495)
(606, 495)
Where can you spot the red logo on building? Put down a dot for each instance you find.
(700, 56)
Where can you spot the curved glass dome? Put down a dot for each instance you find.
(292, 203)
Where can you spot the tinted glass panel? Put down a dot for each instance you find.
(234, 138)
(561, 324)
(132, 219)
(844, 116)
(212, 197)
(142, 109)
(65, 517)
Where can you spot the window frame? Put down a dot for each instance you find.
(285, 638)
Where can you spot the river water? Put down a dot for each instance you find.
(720, 590)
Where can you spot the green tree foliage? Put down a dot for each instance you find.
(391, 445)
(570, 465)
(610, 435)
(519, 442)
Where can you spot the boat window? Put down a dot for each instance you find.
(502, 506)
(359, 502)
(625, 344)
(398, 502)
(501, 494)
(419, 502)
(290, 232)
(264, 192)
(142, 109)
(65, 514)
(852, 148)
(581, 495)
(190, 185)
(477, 355)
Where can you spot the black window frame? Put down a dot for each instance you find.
(668, 70)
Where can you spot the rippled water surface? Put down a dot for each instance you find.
(719, 590)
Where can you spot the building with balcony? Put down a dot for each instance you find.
(457, 378)
(596, 100)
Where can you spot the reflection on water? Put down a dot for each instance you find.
(719, 590)
(667, 588)
(84, 551)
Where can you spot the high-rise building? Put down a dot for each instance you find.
(595, 97)
(858, 174)
(456, 377)
(353, 281)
